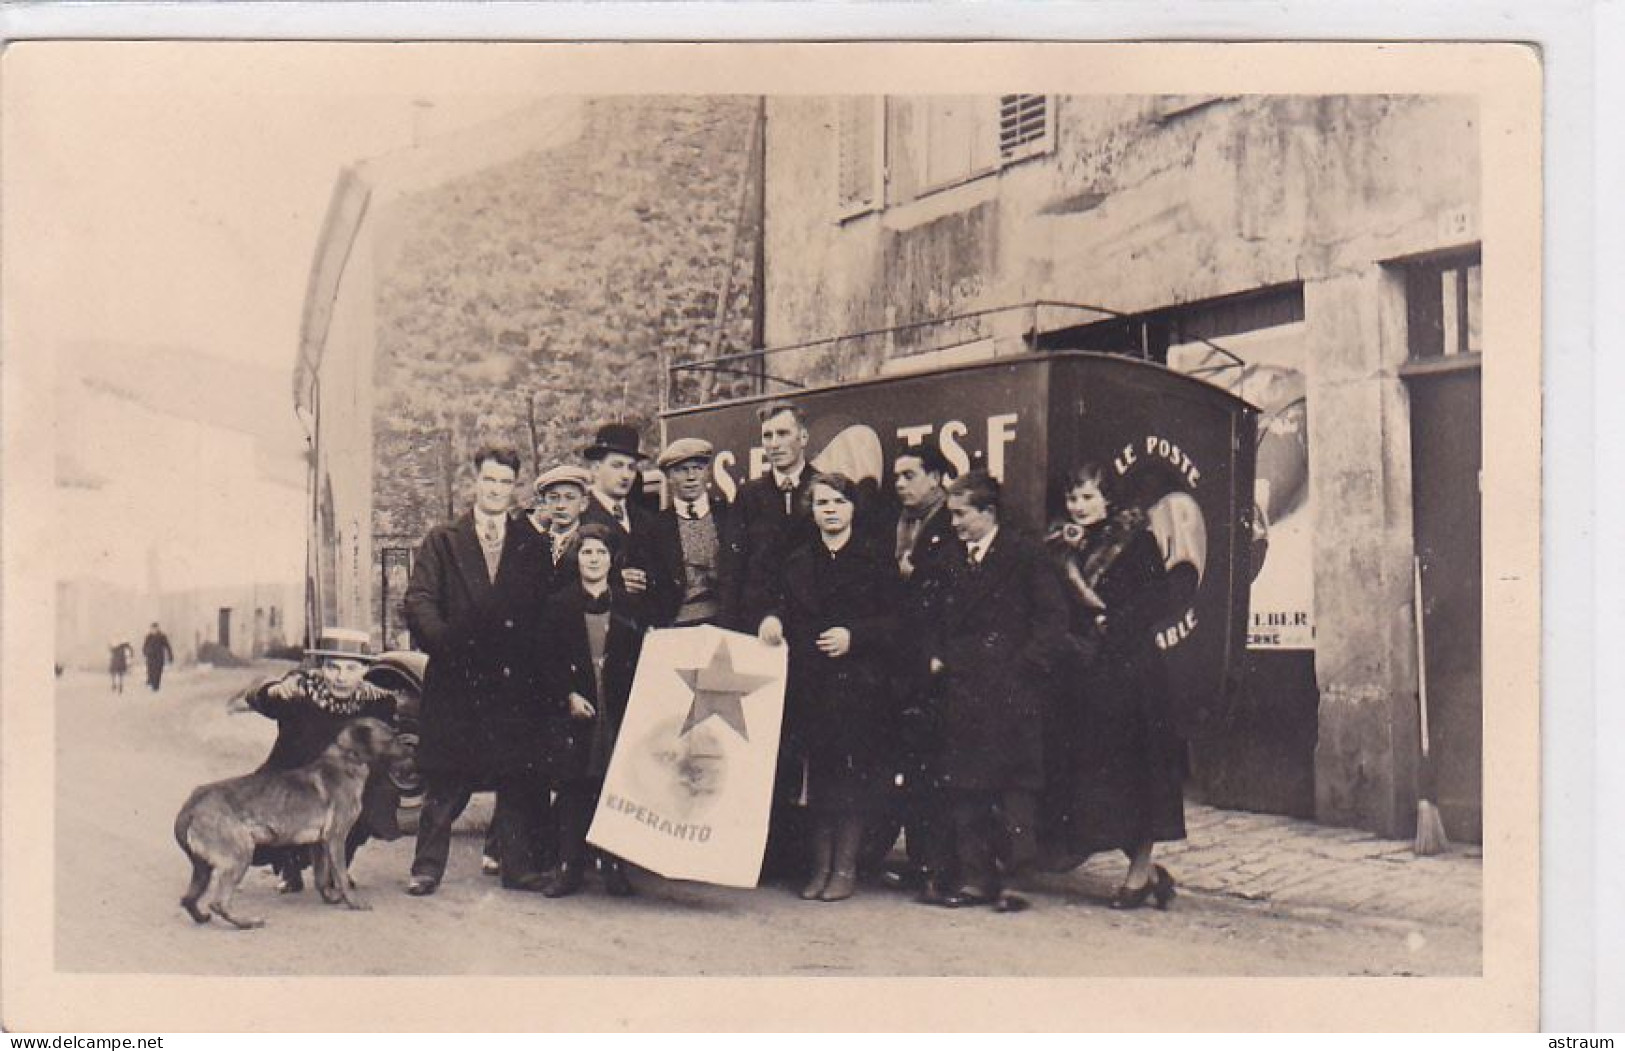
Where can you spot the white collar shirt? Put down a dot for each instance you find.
(616, 508)
(700, 508)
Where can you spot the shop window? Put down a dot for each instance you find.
(1444, 306)
(896, 149)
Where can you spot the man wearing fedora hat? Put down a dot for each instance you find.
(695, 545)
(612, 462)
(311, 705)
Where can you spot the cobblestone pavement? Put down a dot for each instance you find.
(1284, 861)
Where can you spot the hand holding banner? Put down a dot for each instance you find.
(690, 783)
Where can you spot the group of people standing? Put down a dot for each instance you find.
(998, 696)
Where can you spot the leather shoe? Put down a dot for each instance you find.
(909, 879)
(422, 886)
(566, 881)
(535, 882)
(616, 885)
(930, 894)
(967, 897)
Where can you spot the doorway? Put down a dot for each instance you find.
(1446, 430)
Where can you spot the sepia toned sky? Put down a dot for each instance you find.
(186, 184)
(162, 208)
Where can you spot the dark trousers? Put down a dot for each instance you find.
(578, 801)
(155, 674)
(928, 830)
(788, 827)
(493, 835)
(990, 828)
(521, 814)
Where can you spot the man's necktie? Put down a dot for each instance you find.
(620, 518)
(789, 491)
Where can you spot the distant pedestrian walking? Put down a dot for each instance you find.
(118, 662)
(155, 648)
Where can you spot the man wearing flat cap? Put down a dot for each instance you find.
(612, 463)
(561, 499)
(693, 540)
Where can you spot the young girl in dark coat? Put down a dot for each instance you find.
(593, 633)
(837, 610)
(1115, 767)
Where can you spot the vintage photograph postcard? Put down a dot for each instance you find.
(723, 536)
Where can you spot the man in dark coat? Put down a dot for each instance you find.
(929, 555)
(612, 463)
(561, 500)
(474, 602)
(693, 542)
(155, 648)
(770, 519)
(999, 636)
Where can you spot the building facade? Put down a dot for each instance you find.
(1318, 256)
(522, 281)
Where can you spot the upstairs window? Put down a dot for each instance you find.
(900, 148)
(1026, 126)
(861, 127)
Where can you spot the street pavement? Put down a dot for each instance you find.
(1259, 895)
(1299, 864)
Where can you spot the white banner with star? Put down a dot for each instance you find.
(691, 780)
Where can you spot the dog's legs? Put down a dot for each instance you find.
(322, 866)
(225, 886)
(339, 873)
(201, 871)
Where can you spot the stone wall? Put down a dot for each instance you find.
(533, 300)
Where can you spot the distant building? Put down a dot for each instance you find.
(179, 499)
(523, 280)
(1317, 255)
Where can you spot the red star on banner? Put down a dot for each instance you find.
(719, 690)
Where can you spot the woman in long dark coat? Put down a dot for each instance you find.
(594, 634)
(1115, 766)
(837, 610)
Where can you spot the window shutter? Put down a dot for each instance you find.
(859, 155)
(1026, 126)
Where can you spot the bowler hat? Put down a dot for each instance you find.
(614, 438)
(684, 449)
(563, 474)
(343, 642)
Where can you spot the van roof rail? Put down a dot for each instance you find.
(990, 332)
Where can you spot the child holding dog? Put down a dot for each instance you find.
(311, 705)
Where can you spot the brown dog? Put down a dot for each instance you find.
(315, 804)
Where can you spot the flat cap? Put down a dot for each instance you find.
(563, 474)
(684, 449)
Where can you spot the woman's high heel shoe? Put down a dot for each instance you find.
(1162, 886)
(1133, 899)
